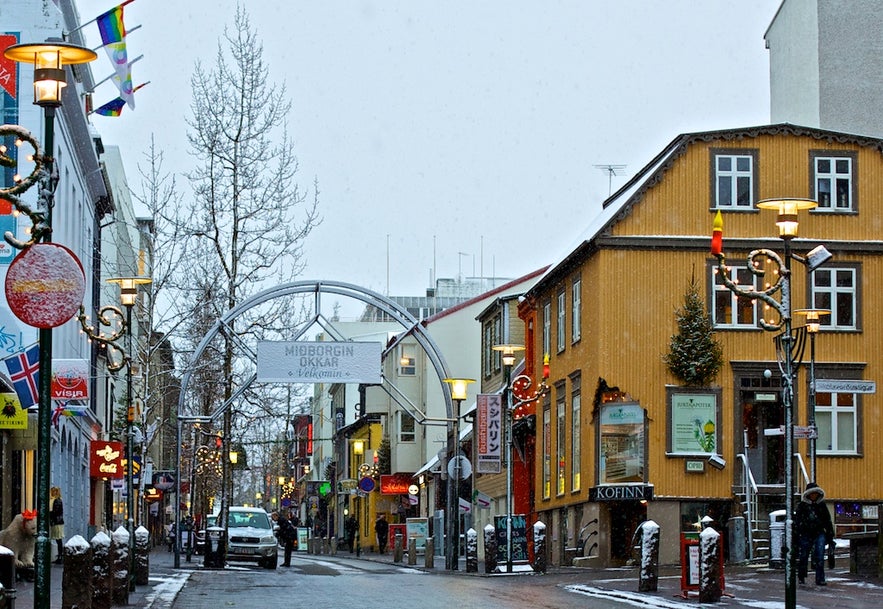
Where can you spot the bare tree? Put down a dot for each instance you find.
(248, 218)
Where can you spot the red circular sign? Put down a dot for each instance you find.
(45, 285)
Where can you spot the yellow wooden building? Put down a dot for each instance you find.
(618, 438)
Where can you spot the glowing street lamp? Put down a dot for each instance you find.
(788, 357)
(458, 388)
(49, 59)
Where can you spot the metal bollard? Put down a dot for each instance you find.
(490, 549)
(102, 571)
(397, 553)
(709, 566)
(471, 551)
(76, 579)
(119, 551)
(412, 551)
(142, 556)
(540, 561)
(649, 573)
(7, 577)
(429, 553)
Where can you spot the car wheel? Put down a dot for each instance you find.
(271, 563)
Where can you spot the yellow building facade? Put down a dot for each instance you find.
(619, 439)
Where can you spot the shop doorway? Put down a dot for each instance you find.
(625, 518)
(764, 445)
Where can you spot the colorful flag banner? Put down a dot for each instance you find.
(67, 411)
(115, 106)
(24, 372)
(111, 26)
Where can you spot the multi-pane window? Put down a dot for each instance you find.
(837, 423)
(407, 361)
(836, 289)
(547, 453)
(407, 427)
(730, 309)
(560, 444)
(547, 327)
(560, 322)
(833, 183)
(575, 310)
(734, 181)
(498, 338)
(575, 441)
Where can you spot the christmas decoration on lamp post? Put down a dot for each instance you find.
(775, 271)
(43, 260)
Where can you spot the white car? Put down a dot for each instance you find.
(250, 537)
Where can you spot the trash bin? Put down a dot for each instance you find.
(215, 548)
(777, 538)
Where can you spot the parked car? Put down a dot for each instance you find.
(199, 543)
(250, 537)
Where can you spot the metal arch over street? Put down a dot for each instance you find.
(398, 314)
(411, 325)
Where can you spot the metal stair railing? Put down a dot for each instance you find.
(749, 491)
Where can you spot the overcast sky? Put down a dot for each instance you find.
(456, 135)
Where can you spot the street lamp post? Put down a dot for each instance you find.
(458, 394)
(508, 355)
(128, 296)
(49, 59)
(758, 260)
(813, 323)
(181, 420)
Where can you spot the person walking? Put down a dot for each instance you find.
(350, 528)
(56, 521)
(812, 529)
(381, 527)
(286, 534)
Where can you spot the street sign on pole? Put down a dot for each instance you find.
(845, 386)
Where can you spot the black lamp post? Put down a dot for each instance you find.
(522, 381)
(813, 323)
(458, 394)
(49, 59)
(788, 357)
(128, 296)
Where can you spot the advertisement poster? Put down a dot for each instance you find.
(418, 529)
(489, 419)
(694, 423)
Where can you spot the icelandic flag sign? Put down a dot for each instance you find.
(24, 371)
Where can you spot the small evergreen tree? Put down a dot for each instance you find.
(694, 356)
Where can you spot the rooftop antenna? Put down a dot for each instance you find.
(611, 170)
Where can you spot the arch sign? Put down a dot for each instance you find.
(319, 362)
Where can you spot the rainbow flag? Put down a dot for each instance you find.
(110, 24)
(115, 106)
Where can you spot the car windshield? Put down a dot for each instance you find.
(258, 520)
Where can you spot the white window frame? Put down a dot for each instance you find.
(575, 441)
(740, 274)
(833, 414)
(547, 328)
(829, 297)
(409, 436)
(831, 178)
(736, 177)
(575, 310)
(409, 368)
(561, 323)
(561, 445)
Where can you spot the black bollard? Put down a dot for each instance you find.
(709, 566)
(76, 579)
(7, 576)
(471, 551)
(102, 571)
(540, 561)
(490, 549)
(119, 552)
(649, 569)
(142, 556)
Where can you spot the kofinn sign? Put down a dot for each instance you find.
(621, 492)
(319, 362)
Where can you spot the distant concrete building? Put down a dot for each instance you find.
(826, 65)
